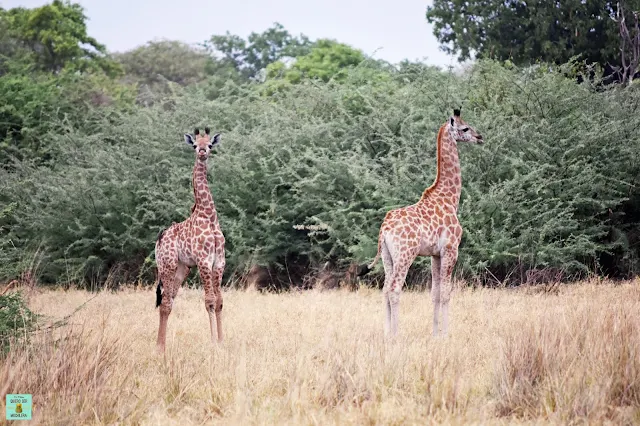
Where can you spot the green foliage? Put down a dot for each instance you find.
(327, 60)
(32, 104)
(93, 165)
(52, 74)
(54, 37)
(529, 31)
(165, 60)
(157, 67)
(308, 174)
(16, 320)
(249, 57)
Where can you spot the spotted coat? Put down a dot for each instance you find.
(197, 241)
(430, 227)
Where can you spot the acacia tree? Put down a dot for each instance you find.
(55, 37)
(158, 61)
(327, 59)
(251, 56)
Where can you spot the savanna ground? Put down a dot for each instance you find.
(320, 358)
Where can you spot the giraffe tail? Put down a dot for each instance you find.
(159, 286)
(160, 235)
(159, 293)
(371, 265)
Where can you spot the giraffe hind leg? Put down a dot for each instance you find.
(172, 278)
(396, 283)
(218, 270)
(387, 262)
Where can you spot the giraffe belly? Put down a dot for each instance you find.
(429, 249)
(432, 243)
(187, 259)
(185, 254)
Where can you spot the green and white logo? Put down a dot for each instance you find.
(19, 406)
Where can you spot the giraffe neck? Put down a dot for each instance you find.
(203, 199)
(448, 183)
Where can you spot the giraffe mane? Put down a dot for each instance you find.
(430, 189)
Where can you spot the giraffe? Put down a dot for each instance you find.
(430, 227)
(197, 241)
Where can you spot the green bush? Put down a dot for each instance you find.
(16, 320)
(307, 174)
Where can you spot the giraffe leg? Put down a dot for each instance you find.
(218, 270)
(449, 257)
(172, 279)
(205, 268)
(387, 262)
(435, 291)
(393, 293)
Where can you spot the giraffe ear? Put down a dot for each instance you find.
(215, 140)
(188, 139)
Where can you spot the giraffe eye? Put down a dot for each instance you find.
(210, 145)
(466, 129)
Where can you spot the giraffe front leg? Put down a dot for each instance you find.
(435, 291)
(449, 257)
(205, 269)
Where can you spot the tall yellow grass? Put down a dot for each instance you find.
(512, 356)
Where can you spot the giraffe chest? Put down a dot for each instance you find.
(198, 241)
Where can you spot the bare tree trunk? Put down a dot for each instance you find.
(629, 45)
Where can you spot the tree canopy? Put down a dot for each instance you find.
(254, 54)
(54, 36)
(529, 31)
(327, 59)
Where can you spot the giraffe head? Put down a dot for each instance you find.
(202, 143)
(461, 131)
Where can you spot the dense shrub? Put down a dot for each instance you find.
(307, 174)
(16, 320)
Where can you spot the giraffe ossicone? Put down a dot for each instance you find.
(196, 241)
(430, 227)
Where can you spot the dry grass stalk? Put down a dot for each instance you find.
(320, 357)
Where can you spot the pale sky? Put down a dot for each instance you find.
(396, 29)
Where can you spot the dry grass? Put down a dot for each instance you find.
(320, 358)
